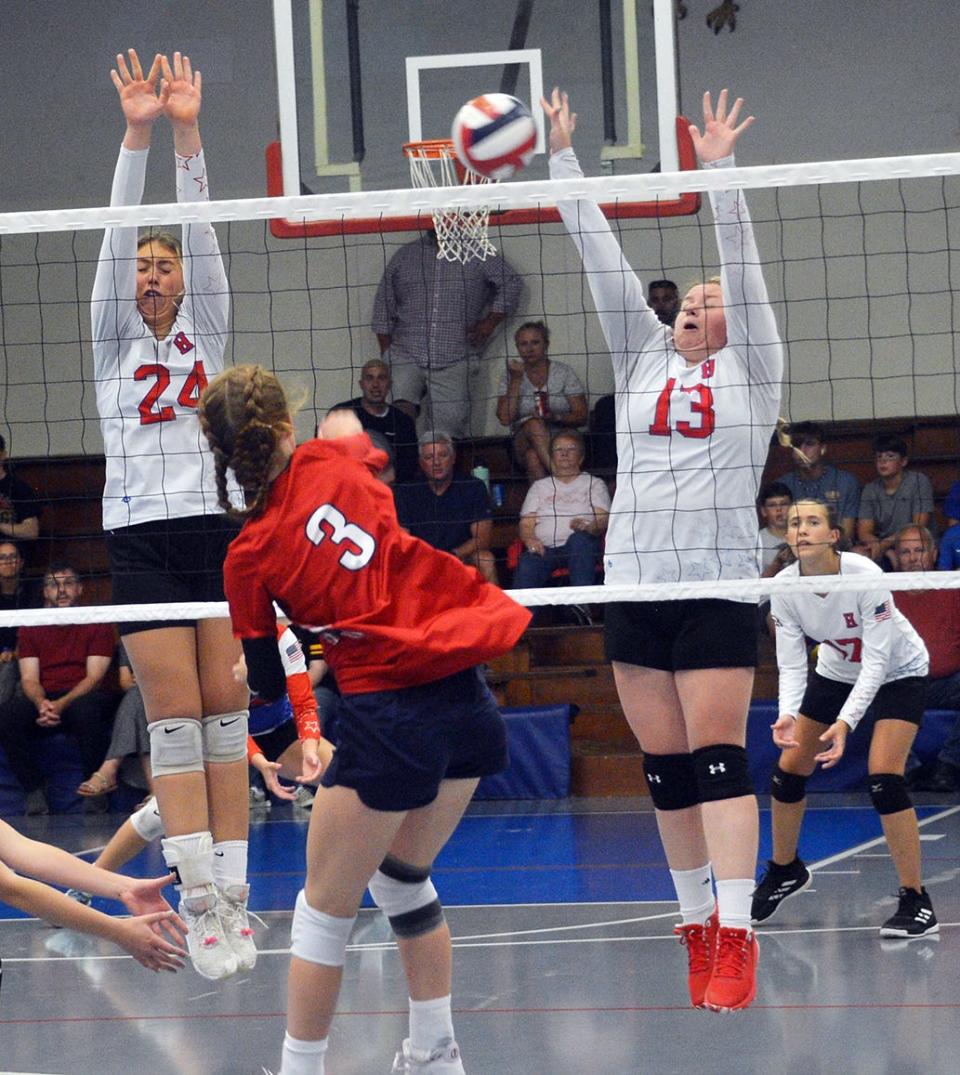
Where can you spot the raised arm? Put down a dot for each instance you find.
(625, 318)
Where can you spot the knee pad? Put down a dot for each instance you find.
(722, 772)
(190, 857)
(176, 746)
(225, 737)
(317, 937)
(787, 787)
(672, 780)
(146, 821)
(407, 897)
(889, 793)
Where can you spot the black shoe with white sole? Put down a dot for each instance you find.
(775, 886)
(914, 917)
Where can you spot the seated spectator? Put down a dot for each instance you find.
(897, 498)
(396, 426)
(773, 503)
(452, 514)
(563, 519)
(812, 478)
(61, 668)
(129, 749)
(951, 506)
(935, 615)
(19, 507)
(14, 594)
(950, 550)
(663, 298)
(537, 397)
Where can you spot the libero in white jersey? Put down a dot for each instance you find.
(864, 639)
(692, 437)
(158, 464)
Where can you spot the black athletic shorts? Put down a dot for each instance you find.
(395, 747)
(274, 742)
(169, 560)
(900, 699)
(675, 636)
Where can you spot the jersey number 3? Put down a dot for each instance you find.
(338, 530)
(188, 396)
(702, 405)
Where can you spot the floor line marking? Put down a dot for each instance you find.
(840, 856)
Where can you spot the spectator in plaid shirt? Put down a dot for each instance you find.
(429, 316)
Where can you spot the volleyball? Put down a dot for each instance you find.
(494, 135)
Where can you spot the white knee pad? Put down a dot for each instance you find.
(147, 821)
(225, 737)
(407, 897)
(318, 937)
(176, 746)
(190, 857)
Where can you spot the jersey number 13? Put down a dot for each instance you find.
(701, 403)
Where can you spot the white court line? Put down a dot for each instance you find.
(840, 856)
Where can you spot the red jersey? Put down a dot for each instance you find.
(329, 551)
(935, 616)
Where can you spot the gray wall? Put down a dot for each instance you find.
(870, 330)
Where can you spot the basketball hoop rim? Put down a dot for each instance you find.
(429, 148)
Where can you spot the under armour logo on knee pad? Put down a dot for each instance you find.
(718, 768)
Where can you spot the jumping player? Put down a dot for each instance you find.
(868, 653)
(405, 627)
(695, 410)
(160, 319)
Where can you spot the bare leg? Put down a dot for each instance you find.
(124, 845)
(889, 748)
(531, 446)
(787, 818)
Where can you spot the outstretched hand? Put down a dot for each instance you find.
(312, 763)
(141, 937)
(142, 896)
(563, 122)
(138, 95)
(180, 91)
(720, 128)
(836, 739)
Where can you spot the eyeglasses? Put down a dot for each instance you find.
(8, 557)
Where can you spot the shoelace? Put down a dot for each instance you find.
(732, 950)
(694, 939)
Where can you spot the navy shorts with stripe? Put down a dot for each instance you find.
(395, 747)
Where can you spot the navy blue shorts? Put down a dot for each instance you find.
(169, 560)
(395, 747)
(676, 636)
(274, 742)
(898, 699)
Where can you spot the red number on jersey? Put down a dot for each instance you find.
(188, 396)
(703, 406)
(855, 644)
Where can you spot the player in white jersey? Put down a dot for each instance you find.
(868, 653)
(160, 316)
(695, 409)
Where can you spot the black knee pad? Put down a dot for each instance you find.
(889, 793)
(672, 781)
(787, 787)
(722, 772)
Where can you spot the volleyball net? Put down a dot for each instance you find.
(858, 259)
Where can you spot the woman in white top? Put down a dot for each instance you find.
(868, 653)
(160, 319)
(695, 407)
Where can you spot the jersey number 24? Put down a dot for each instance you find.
(188, 396)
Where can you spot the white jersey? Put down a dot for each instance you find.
(864, 640)
(691, 440)
(159, 465)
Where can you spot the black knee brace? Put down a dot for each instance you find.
(787, 787)
(407, 897)
(722, 772)
(672, 780)
(889, 793)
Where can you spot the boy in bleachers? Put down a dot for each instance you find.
(897, 498)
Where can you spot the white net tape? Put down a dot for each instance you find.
(461, 231)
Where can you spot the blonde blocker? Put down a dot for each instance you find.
(244, 414)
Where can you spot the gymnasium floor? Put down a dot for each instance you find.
(565, 962)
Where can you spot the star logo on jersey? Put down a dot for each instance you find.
(182, 343)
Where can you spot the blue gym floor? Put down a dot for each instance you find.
(565, 961)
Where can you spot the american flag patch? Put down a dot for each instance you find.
(882, 612)
(293, 650)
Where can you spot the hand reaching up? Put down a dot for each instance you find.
(138, 95)
(180, 91)
(720, 128)
(563, 122)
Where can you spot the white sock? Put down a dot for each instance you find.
(302, 1057)
(431, 1023)
(733, 901)
(695, 893)
(230, 863)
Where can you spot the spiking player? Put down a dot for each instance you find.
(868, 653)
(160, 316)
(695, 408)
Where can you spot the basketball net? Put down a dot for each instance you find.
(462, 234)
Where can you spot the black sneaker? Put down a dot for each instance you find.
(914, 917)
(775, 886)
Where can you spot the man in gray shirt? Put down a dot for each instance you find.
(897, 498)
(815, 479)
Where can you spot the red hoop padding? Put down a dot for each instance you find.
(685, 205)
